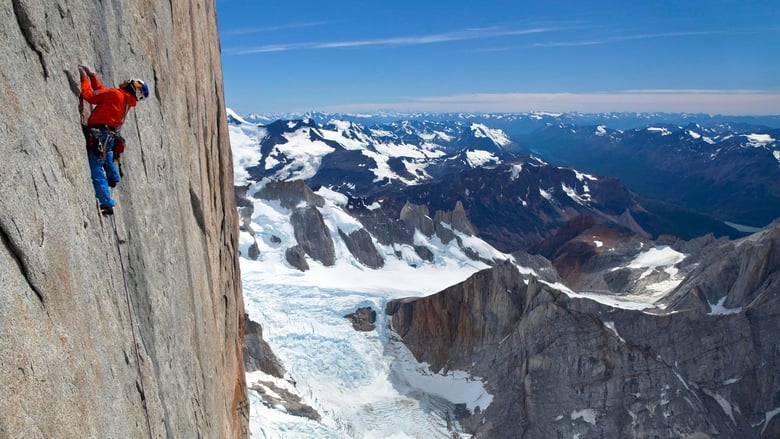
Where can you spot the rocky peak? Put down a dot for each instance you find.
(447, 327)
(558, 364)
(416, 217)
(458, 218)
(313, 235)
(732, 275)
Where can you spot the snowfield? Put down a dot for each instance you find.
(363, 385)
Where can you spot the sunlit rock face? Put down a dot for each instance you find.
(68, 364)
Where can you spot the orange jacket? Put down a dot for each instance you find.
(111, 104)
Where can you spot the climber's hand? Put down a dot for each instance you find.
(85, 70)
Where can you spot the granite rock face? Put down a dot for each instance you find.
(702, 364)
(66, 334)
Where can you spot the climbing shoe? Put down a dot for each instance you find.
(106, 210)
(112, 183)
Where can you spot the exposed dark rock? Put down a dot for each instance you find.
(346, 171)
(585, 252)
(541, 266)
(416, 216)
(296, 257)
(739, 273)
(312, 234)
(257, 353)
(363, 319)
(461, 411)
(389, 231)
(291, 194)
(242, 198)
(292, 403)
(470, 316)
(245, 215)
(457, 218)
(424, 253)
(444, 233)
(253, 251)
(362, 247)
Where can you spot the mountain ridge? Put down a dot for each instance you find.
(560, 363)
(431, 162)
(525, 122)
(577, 313)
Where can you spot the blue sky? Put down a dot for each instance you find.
(716, 56)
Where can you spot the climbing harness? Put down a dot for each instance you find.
(103, 138)
(132, 327)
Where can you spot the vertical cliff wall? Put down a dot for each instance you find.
(68, 366)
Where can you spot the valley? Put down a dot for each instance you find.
(467, 248)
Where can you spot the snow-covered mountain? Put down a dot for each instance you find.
(329, 228)
(514, 200)
(526, 122)
(726, 170)
(341, 383)
(722, 166)
(357, 159)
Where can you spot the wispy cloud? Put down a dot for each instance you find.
(663, 35)
(465, 34)
(591, 41)
(460, 35)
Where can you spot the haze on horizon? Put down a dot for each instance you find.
(502, 56)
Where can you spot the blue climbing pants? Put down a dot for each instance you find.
(103, 170)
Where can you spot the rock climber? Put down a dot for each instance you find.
(104, 143)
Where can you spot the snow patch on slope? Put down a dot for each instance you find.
(497, 136)
(661, 131)
(759, 140)
(720, 309)
(244, 139)
(660, 256)
(480, 158)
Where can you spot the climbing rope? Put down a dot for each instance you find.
(132, 327)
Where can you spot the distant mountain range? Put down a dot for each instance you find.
(523, 123)
(594, 316)
(512, 196)
(727, 170)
